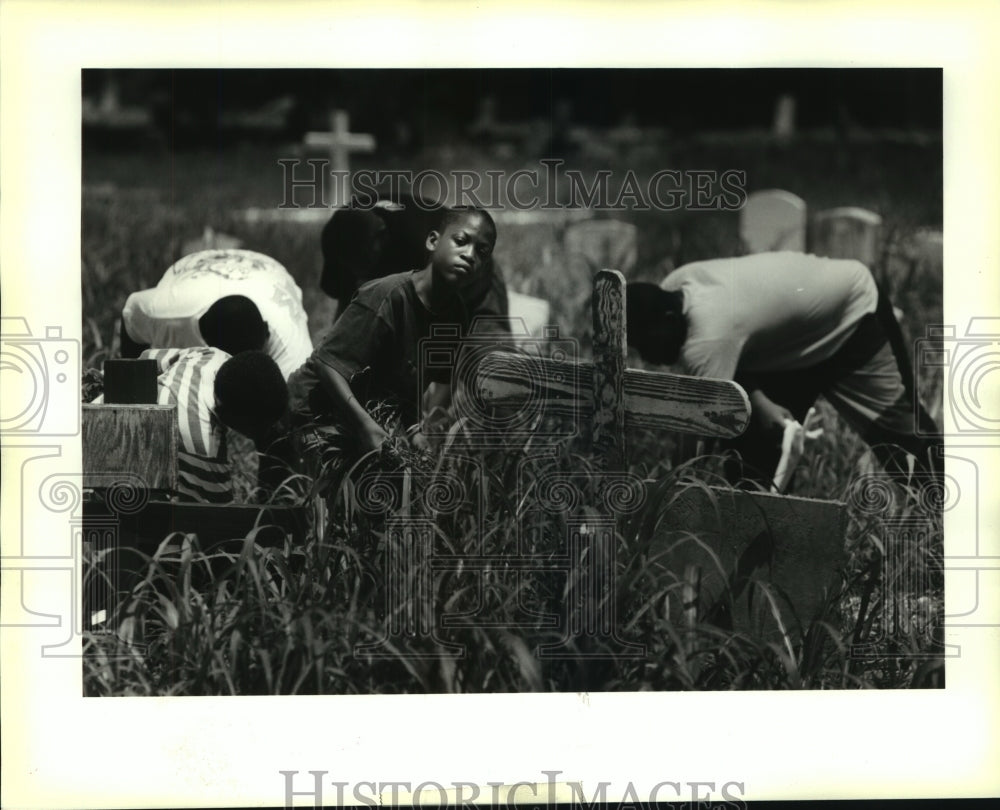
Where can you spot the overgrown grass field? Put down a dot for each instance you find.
(267, 615)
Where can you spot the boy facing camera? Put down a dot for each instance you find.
(362, 244)
(371, 354)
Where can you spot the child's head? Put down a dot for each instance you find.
(250, 393)
(462, 245)
(352, 243)
(234, 324)
(655, 322)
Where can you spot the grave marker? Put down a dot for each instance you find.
(528, 312)
(133, 440)
(610, 356)
(846, 233)
(596, 243)
(341, 142)
(211, 239)
(773, 220)
(783, 127)
(924, 253)
(615, 397)
(792, 543)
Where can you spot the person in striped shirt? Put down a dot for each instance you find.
(213, 391)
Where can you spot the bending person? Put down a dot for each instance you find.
(234, 300)
(212, 392)
(789, 327)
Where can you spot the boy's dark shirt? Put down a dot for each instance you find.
(403, 245)
(374, 345)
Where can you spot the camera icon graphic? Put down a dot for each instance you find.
(506, 387)
(38, 375)
(970, 376)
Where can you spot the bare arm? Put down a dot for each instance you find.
(359, 420)
(769, 415)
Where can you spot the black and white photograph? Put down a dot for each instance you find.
(432, 405)
(452, 381)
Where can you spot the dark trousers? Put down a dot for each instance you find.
(759, 452)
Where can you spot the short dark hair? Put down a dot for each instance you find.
(654, 321)
(349, 250)
(250, 392)
(234, 324)
(458, 212)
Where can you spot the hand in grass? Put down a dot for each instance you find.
(769, 416)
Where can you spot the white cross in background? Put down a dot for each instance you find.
(341, 142)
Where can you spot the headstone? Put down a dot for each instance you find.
(533, 314)
(341, 142)
(783, 128)
(597, 243)
(211, 239)
(794, 545)
(506, 139)
(131, 440)
(108, 112)
(925, 253)
(846, 233)
(773, 220)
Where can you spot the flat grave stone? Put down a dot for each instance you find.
(795, 545)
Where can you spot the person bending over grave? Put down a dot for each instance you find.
(212, 391)
(789, 327)
(364, 243)
(371, 354)
(234, 300)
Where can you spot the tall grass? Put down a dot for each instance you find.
(268, 615)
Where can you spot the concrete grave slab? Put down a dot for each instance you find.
(721, 536)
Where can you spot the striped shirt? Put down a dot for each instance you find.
(187, 380)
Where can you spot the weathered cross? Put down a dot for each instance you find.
(614, 396)
(341, 142)
(803, 539)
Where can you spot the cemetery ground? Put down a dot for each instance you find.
(284, 616)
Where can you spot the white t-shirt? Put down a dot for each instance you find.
(166, 316)
(769, 311)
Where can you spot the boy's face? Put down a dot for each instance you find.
(459, 253)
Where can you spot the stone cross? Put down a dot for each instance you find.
(773, 220)
(341, 142)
